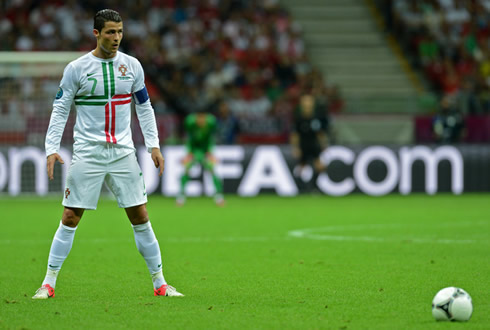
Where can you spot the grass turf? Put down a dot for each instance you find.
(355, 262)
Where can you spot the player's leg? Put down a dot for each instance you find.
(218, 185)
(82, 190)
(311, 156)
(148, 246)
(303, 170)
(60, 248)
(146, 242)
(187, 162)
(318, 167)
(125, 180)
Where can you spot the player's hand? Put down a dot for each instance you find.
(296, 153)
(210, 157)
(51, 160)
(187, 159)
(158, 160)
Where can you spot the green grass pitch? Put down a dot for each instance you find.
(310, 262)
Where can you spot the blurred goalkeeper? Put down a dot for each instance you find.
(200, 128)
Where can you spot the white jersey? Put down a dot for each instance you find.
(102, 90)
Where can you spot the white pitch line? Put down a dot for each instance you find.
(230, 239)
(316, 233)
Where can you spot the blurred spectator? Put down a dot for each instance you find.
(468, 99)
(428, 49)
(448, 40)
(448, 124)
(227, 125)
(248, 53)
(259, 105)
(335, 100)
(11, 115)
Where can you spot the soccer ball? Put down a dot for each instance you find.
(452, 304)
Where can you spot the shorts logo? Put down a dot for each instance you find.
(67, 193)
(59, 94)
(123, 69)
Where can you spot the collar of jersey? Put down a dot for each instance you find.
(112, 59)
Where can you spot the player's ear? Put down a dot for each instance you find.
(96, 33)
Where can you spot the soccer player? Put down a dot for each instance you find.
(102, 84)
(200, 128)
(308, 140)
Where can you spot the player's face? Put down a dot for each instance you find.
(307, 106)
(109, 39)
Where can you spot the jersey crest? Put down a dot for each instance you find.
(123, 69)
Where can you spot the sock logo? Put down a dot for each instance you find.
(67, 193)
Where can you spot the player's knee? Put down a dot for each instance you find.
(139, 220)
(137, 215)
(71, 217)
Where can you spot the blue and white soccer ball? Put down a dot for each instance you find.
(452, 304)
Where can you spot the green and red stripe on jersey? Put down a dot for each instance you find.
(110, 115)
(109, 100)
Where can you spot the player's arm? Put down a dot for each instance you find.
(61, 110)
(148, 125)
(294, 141)
(322, 139)
(146, 118)
(188, 126)
(187, 130)
(322, 136)
(211, 143)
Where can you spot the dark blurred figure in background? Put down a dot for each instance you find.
(448, 124)
(309, 139)
(228, 126)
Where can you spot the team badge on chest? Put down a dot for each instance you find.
(123, 69)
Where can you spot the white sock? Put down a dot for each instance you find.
(61, 246)
(150, 250)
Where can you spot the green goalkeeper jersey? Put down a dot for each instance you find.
(200, 138)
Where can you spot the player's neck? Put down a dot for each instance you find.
(100, 53)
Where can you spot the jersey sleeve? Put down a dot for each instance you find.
(144, 110)
(69, 86)
(139, 79)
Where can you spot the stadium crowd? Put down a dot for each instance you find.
(448, 43)
(243, 60)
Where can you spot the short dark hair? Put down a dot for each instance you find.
(105, 15)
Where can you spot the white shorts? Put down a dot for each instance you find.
(114, 166)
